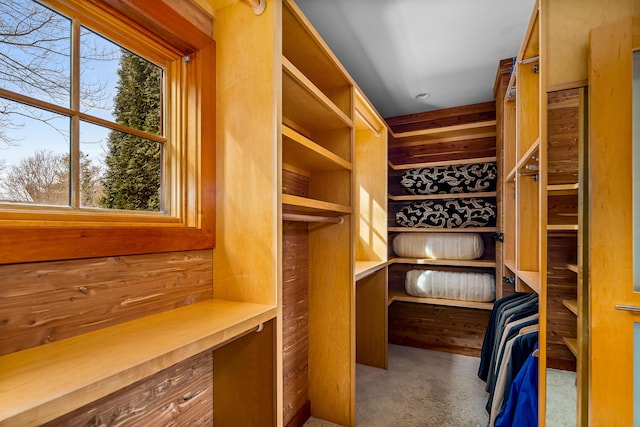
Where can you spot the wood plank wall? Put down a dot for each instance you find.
(563, 134)
(181, 395)
(50, 301)
(295, 309)
(445, 117)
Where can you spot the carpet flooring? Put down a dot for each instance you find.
(424, 388)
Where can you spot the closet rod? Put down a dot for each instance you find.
(257, 6)
(375, 131)
(532, 59)
(312, 218)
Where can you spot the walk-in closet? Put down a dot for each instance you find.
(318, 253)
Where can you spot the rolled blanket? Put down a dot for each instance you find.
(467, 178)
(439, 245)
(478, 287)
(447, 213)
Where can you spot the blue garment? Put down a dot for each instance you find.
(521, 410)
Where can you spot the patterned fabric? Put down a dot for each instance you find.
(469, 178)
(447, 213)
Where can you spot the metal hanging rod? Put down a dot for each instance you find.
(375, 131)
(312, 218)
(528, 60)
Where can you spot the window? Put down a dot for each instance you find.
(106, 137)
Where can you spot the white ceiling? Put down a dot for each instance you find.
(396, 49)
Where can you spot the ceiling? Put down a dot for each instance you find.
(397, 49)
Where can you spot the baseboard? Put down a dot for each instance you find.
(301, 416)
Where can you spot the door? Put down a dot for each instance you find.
(614, 225)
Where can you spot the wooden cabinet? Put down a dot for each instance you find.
(318, 162)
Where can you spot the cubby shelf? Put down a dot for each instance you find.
(300, 151)
(450, 262)
(531, 278)
(562, 227)
(365, 268)
(395, 295)
(307, 107)
(442, 196)
(443, 230)
(304, 205)
(571, 304)
(42, 383)
(563, 189)
(465, 131)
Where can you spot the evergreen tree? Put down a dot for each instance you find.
(133, 164)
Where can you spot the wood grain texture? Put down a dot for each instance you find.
(247, 151)
(443, 151)
(561, 285)
(451, 329)
(611, 224)
(295, 318)
(184, 24)
(179, 395)
(45, 302)
(443, 117)
(563, 131)
(372, 320)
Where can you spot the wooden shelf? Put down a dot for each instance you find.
(447, 133)
(573, 267)
(563, 189)
(306, 106)
(572, 344)
(571, 304)
(304, 205)
(511, 265)
(442, 163)
(401, 296)
(443, 230)
(301, 152)
(42, 383)
(562, 227)
(531, 278)
(367, 268)
(441, 196)
(451, 262)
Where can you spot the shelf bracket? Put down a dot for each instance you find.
(510, 280)
(498, 237)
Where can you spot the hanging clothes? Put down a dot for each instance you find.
(511, 335)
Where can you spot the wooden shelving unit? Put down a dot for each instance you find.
(318, 167)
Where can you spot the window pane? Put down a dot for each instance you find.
(93, 148)
(34, 155)
(35, 45)
(119, 85)
(132, 178)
